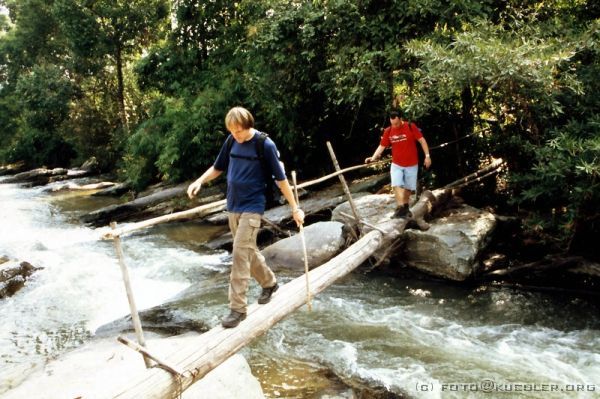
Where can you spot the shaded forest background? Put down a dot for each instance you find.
(144, 85)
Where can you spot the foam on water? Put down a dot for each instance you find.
(409, 336)
(410, 345)
(80, 286)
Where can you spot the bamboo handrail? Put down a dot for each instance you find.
(214, 207)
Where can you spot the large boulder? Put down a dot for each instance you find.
(374, 209)
(323, 241)
(450, 247)
(102, 366)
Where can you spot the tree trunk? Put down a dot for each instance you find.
(121, 89)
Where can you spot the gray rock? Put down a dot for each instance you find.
(39, 176)
(164, 319)
(90, 165)
(103, 366)
(374, 209)
(323, 241)
(450, 247)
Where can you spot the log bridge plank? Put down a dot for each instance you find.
(218, 344)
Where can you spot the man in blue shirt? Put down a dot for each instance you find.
(246, 202)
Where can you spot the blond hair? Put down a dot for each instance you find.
(239, 116)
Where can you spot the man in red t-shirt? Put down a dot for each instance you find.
(402, 136)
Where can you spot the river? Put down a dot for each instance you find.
(421, 339)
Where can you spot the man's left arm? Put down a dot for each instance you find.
(425, 148)
(286, 190)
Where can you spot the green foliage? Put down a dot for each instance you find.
(39, 147)
(146, 91)
(8, 121)
(178, 141)
(44, 95)
(513, 72)
(564, 182)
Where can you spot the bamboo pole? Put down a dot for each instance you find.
(344, 214)
(162, 364)
(275, 227)
(203, 210)
(496, 164)
(135, 318)
(345, 187)
(215, 346)
(301, 227)
(214, 207)
(337, 173)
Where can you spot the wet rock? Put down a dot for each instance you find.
(13, 276)
(374, 209)
(449, 249)
(164, 319)
(12, 169)
(91, 165)
(78, 187)
(116, 190)
(36, 177)
(323, 241)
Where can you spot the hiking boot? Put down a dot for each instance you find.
(265, 295)
(401, 212)
(232, 319)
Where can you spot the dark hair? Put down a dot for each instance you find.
(395, 113)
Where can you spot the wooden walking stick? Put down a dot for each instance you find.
(137, 324)
(301, 227)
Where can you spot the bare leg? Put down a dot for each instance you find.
(399, 195)
(402, 196)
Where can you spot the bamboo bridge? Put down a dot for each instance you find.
(173, 375)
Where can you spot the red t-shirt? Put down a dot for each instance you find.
(403, 140)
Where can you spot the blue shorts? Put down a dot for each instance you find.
(404, 176)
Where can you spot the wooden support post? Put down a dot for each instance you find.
(215, 346)
(344, 214)
(275, 227)
(137, 325)
(301, 227)
(148, 355)
(344, 185)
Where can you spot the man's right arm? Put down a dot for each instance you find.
(210, 174)
(376, 154)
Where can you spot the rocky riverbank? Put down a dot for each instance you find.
(465, 237)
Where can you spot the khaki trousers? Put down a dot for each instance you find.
(247, 260)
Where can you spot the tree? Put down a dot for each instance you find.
(119, 29)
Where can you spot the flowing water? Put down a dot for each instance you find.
(415, 338)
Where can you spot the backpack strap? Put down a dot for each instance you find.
(268, 173)
(260, 152)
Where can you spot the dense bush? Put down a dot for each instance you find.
(511, 79)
